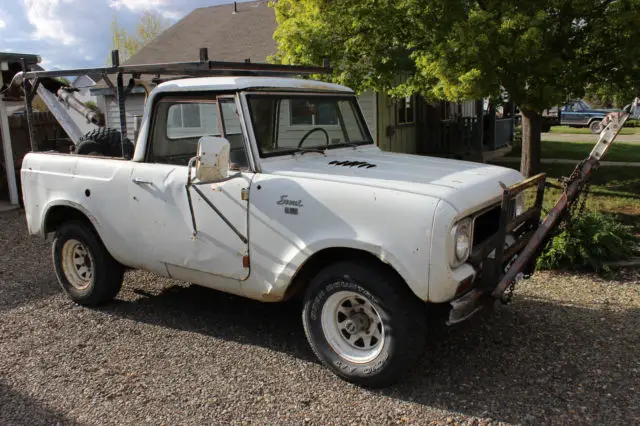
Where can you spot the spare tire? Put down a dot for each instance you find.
(104, 141)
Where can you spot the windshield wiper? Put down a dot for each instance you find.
(354, 145)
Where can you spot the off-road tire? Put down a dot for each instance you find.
(595, 126)
(403, 318)
(107, 273)
(103, 141)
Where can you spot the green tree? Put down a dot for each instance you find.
(151, 24)
(541, 52)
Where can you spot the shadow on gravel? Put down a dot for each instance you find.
(16, 408)
(535, 361)
(532, 361)
(276, 326)
(15, 294)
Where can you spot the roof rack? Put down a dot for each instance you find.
(204, 67)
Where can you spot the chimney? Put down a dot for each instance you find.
(235, 7)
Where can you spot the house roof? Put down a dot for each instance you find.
(229, 36)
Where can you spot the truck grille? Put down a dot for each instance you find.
(485, 225)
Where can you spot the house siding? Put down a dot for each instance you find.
(469, 108)
(134, 106)
(367, 102)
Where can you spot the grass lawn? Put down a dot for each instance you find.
(586, 131)
(614, 190)
(619, 151)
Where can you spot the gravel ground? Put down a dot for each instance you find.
(566, 350)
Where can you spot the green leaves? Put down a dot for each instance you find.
(589, 242)
(151, 24)
(540, 51)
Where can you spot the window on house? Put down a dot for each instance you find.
(406, 110)
(304, 113)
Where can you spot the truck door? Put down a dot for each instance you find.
(571, 114)
(159, 196)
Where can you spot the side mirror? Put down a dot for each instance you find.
(213, 162)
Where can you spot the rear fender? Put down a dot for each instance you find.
(42, 230)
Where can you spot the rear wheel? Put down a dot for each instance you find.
(363, 323)
(85, 269)
(595, 126)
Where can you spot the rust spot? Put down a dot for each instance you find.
(267, 297)
(245, 261)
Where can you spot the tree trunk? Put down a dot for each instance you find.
(531, 146)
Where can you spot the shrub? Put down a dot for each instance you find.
(587, 243)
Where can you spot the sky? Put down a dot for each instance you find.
(76, 33)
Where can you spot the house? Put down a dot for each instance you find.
(83, 85)
(241, 31)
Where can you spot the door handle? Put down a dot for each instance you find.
(139, 181)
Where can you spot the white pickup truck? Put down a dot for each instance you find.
(270, 188)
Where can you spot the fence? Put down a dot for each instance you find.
(457, 136)
(504, 129)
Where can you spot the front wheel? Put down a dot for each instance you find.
(595, 126)
(363, 323)
(85, 269)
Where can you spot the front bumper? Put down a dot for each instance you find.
(494, 257)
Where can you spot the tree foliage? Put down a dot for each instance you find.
(541, 52)
(151, 24)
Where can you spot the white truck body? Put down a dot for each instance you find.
(269, 188)
(401, 211)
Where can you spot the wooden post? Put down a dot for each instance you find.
(479, 143)
(8, 149)
(492, 125)
(28, 110)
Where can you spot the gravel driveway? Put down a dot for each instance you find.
(566, 350)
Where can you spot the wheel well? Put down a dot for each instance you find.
(324, 258)
(58, 215)
(592, 119)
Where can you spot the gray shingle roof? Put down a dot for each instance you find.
(228, 36)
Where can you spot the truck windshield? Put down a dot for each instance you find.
(284, 124)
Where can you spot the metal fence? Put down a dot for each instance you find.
(457, 136)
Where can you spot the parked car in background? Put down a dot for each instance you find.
(575, 113)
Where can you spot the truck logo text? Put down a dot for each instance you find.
(285, 202)
(290, 206)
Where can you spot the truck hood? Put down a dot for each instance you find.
(463, 184)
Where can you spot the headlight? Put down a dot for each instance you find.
(462, 240)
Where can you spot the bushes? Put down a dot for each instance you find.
(587, 243)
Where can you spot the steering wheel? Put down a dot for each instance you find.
(306, 135)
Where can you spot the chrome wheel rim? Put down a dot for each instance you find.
(77, 264)
(352, 326)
